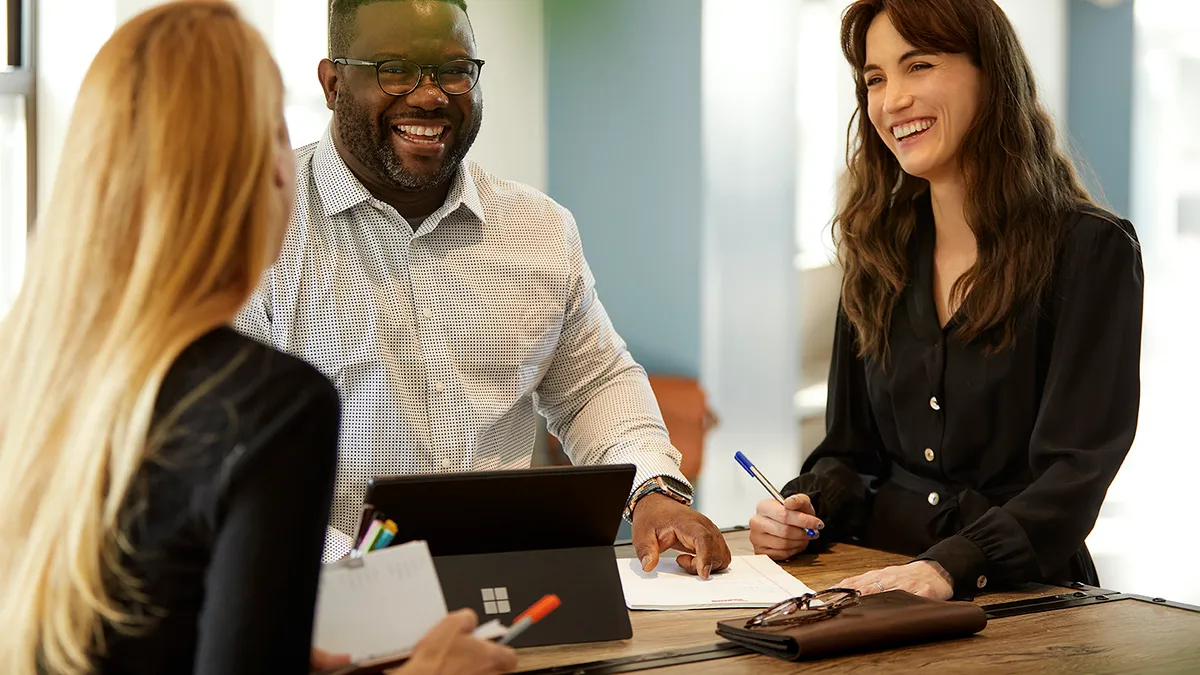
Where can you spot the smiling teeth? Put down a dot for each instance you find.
(911, 128)
(420, 131)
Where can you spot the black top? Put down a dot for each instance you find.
(995, 466)
(227, 518)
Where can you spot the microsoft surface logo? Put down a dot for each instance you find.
(495, 600)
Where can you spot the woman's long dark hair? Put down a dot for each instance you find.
(1020, 186)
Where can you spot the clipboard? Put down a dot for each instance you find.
(376, 607)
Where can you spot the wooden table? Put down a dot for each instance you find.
(1123, 636)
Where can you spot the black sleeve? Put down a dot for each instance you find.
(840, 473)
(269, 524)
(1086, 419)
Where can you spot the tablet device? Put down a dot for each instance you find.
(506, 511)
(501, 540)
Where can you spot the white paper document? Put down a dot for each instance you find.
(750, 581)
(380, 605)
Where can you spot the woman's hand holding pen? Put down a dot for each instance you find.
(449, 648)
(322, 660)
(781, 531)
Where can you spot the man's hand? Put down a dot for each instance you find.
(779, 530)
(450, 649)
(661, 523)
(923, 577)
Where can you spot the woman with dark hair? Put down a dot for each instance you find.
(985, 379)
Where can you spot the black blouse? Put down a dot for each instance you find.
(227, 519)
(994, 466)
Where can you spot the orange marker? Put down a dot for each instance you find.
(534, 614)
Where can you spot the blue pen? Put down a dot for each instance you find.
(753, 471)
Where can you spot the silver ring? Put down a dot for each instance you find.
(880, 587)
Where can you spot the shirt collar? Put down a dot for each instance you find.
(464, 192)
(341, 190)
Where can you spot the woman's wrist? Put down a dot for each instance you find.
(937, 567)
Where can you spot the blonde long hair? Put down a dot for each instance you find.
(164, 214)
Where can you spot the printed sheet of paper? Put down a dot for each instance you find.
(750, 581)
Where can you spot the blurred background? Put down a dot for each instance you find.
(698, 143)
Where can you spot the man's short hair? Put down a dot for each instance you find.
(341, 22)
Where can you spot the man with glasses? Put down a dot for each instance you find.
(445, 303)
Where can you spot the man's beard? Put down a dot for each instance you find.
(370, 141)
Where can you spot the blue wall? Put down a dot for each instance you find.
(1100, 97)
(624, 157)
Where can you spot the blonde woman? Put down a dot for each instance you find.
(165, 482)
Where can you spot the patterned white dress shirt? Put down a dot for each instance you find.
(443, 341)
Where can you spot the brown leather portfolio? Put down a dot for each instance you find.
(878, 621)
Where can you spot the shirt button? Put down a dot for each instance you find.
(934, 499)
(427, 313)
(933, 403)
(445, 462)
(981, 581)
(439, 387)
(928, 454)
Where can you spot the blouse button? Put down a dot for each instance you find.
(934, 499)
(933, 403)
(928, 454)
(981, 581)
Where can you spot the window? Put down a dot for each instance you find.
(825, 104)
(16, 158)
(296, 31)
(825, 101)
(1158, 475)
(1166, 141)
(1188, 200)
